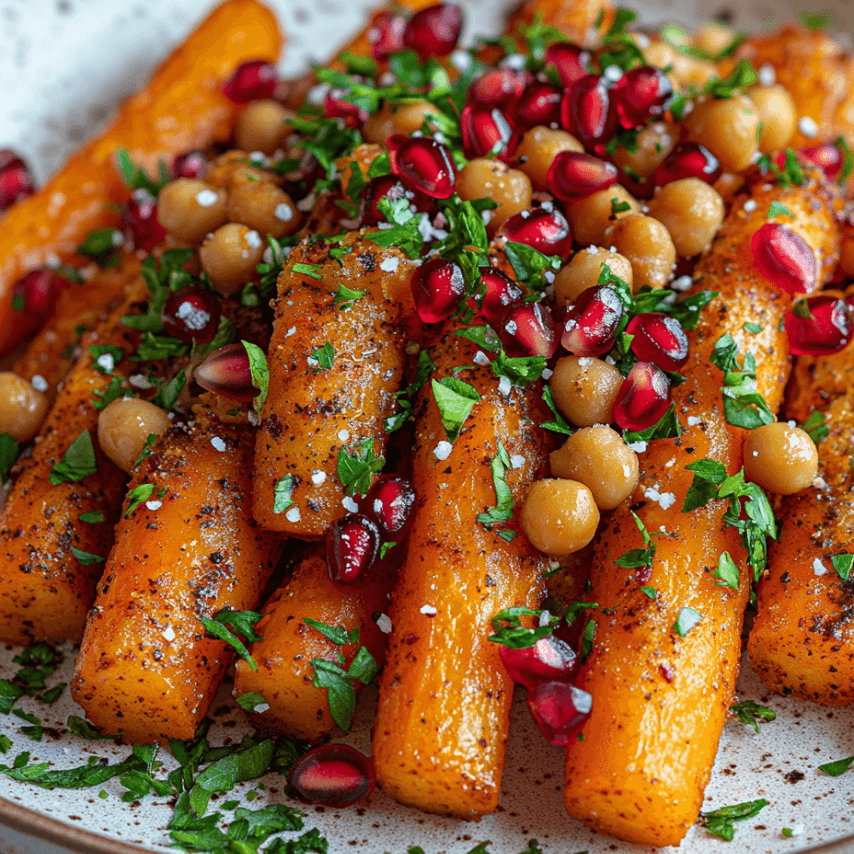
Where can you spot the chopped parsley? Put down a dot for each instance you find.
(137, 496)
(842, 563)
(751, 713)
(720, 822)
(727, 572)
(357, 465)
(77, 462)
(103, 246)
(510, 632)
(686, 620)
(744, 406)
(816, 426)
(455, 399)
(779, 209)
(282, 492)
(136, 178)
(259, 371)
(243, 622)
(345, 297)
(322, 358)
(504, 503)
(635, 558)
(86, 558)
(837, 768)
(9, 450)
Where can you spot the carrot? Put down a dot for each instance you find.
(146, 667)
(181, 108)
(290, 644)
(660, 700)
(575, 20)
(445, 698)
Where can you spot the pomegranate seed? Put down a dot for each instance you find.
(352, 546)
(660, 339)
(827, 331)
(339, 108)
(422, 164)
(33, 299)
(390, 501)
(641, 94)
(688, 160)
(385, 187)
(539, 104)
(570, 61)
(193, 164)
(548, 660)
(591, 321)
(827, 157)
(386, 35)
(499, 88)
(226, 373)
(434, 31)
(334, 775)
(560, 710)
(141, 223)
(643, 397)
(784, 257)
(573, 175)
(500, 291)
(527, 329)
(437, 286)
(16, 183)
(586, 110)
(485, 130)
(192, 314)
(547, 231)
(250, 81)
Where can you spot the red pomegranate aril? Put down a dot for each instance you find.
(226, 373)
(574, 175)
(660, 339)
(643, 397)
(352, 546)
(572, 62)
(539, 104)
(545, 230)
(437, 287)
(33, 299)
(422, 164)
(250, 81)
(434, 31)
(385, 187)
(498, 88)
(586, 110)
(485, 130)
(192, 314)
(828, 331)
(193, 164)
(548, 660)
(389, 502)
(527, 329)
(500, 291)
(334, 775)
(337, 107)
(386, 35)
(688, 160)
(784, 257)
(641, 94)
(827, 157)
(591, 321)
(560, 710)
(16, 183)
(141, 223)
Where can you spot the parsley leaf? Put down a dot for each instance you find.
(686, 620)
(744, 406)
(727, 571)
(779, 209)
(242, 622)
(77, 462)
(340, 683)
(520, 370)
(345, 297)
(137, 496)
(357, 464)
(336, 634)
(103, 246)
(558, 424)
(259, 371)
(842, 563)
(634, 558)
(837, 768)
(135, 178)
(516, 636)
(282, 492)
(424, 368)
(742, 76)
(720, 822)
(86, 558)
(749, 712)
(167, 395)
(83, 729)
(708, 475)
(504, 503)
(405, 233)
(9, 450)
(322, 358)
(455, 399)
(816, 426)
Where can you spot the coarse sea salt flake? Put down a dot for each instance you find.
(750, 205)
(384, 623)
(638, 447)
(283, 212)
(318, 477)
(480, 358)
(218, 444)
(291, 331)
(344, 434)
(443, 450)
(153, 505)
(169, 633)
(504, 385)
(428, 611)
(206, 198)
(517, 461)
(389, 264)
(694, 420)
(349, 504)
(106, 362)
(818, 567)
(808, 127)
(293, 515)
(260, 708)
(253, 239)
(39, 383)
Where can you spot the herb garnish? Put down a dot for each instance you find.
(720, 822)
(750, 713)
(357, 464)
(504, 503)
(455, 399)
(242, 622)
(77, 462)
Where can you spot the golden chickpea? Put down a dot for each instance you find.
(510, 188)
(780, 458)
(22, 408)
(405, 119)
(713, 37)
(559, 516)
(264, 207)
(654, 143)
(538, 148)
(591, 216)
(692, 212)
(261, 126)
(232, 168)
(684, 70)
(585, 389)
(380, 126)
(777, 115)
(647, 244)
(728, 127)
(124, 427)
(728, 185)
(583, 272)
(600, 459)
(189, 209)
(230, 255)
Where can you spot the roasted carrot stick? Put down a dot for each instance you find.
(660, 700)
(576, 20)
(182, 108)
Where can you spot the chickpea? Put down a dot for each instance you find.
(189, 209)
(124, 427)
(230, 255)
(583, 272)
(780, 458)
(590, 217)
(728, 185)
(264, 207)
(728, 127)
(684, 70)
(777, 115)
(585, 389)
(647, 244)
(538, 148)
(232, 168)
(261, 126)
(654, 144)
(22, 408)
(692, 212)
(405, 119)
(510, 188)
(713, 37)
(559, 516)
(600, 459)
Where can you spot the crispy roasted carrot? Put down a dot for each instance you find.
(181, 108)
(444, 702)
(660, 700)
(146, 667)
(576, 20)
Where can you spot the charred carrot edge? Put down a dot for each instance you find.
(660, 699)
(181, 108)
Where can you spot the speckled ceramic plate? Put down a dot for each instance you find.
(63, 66)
